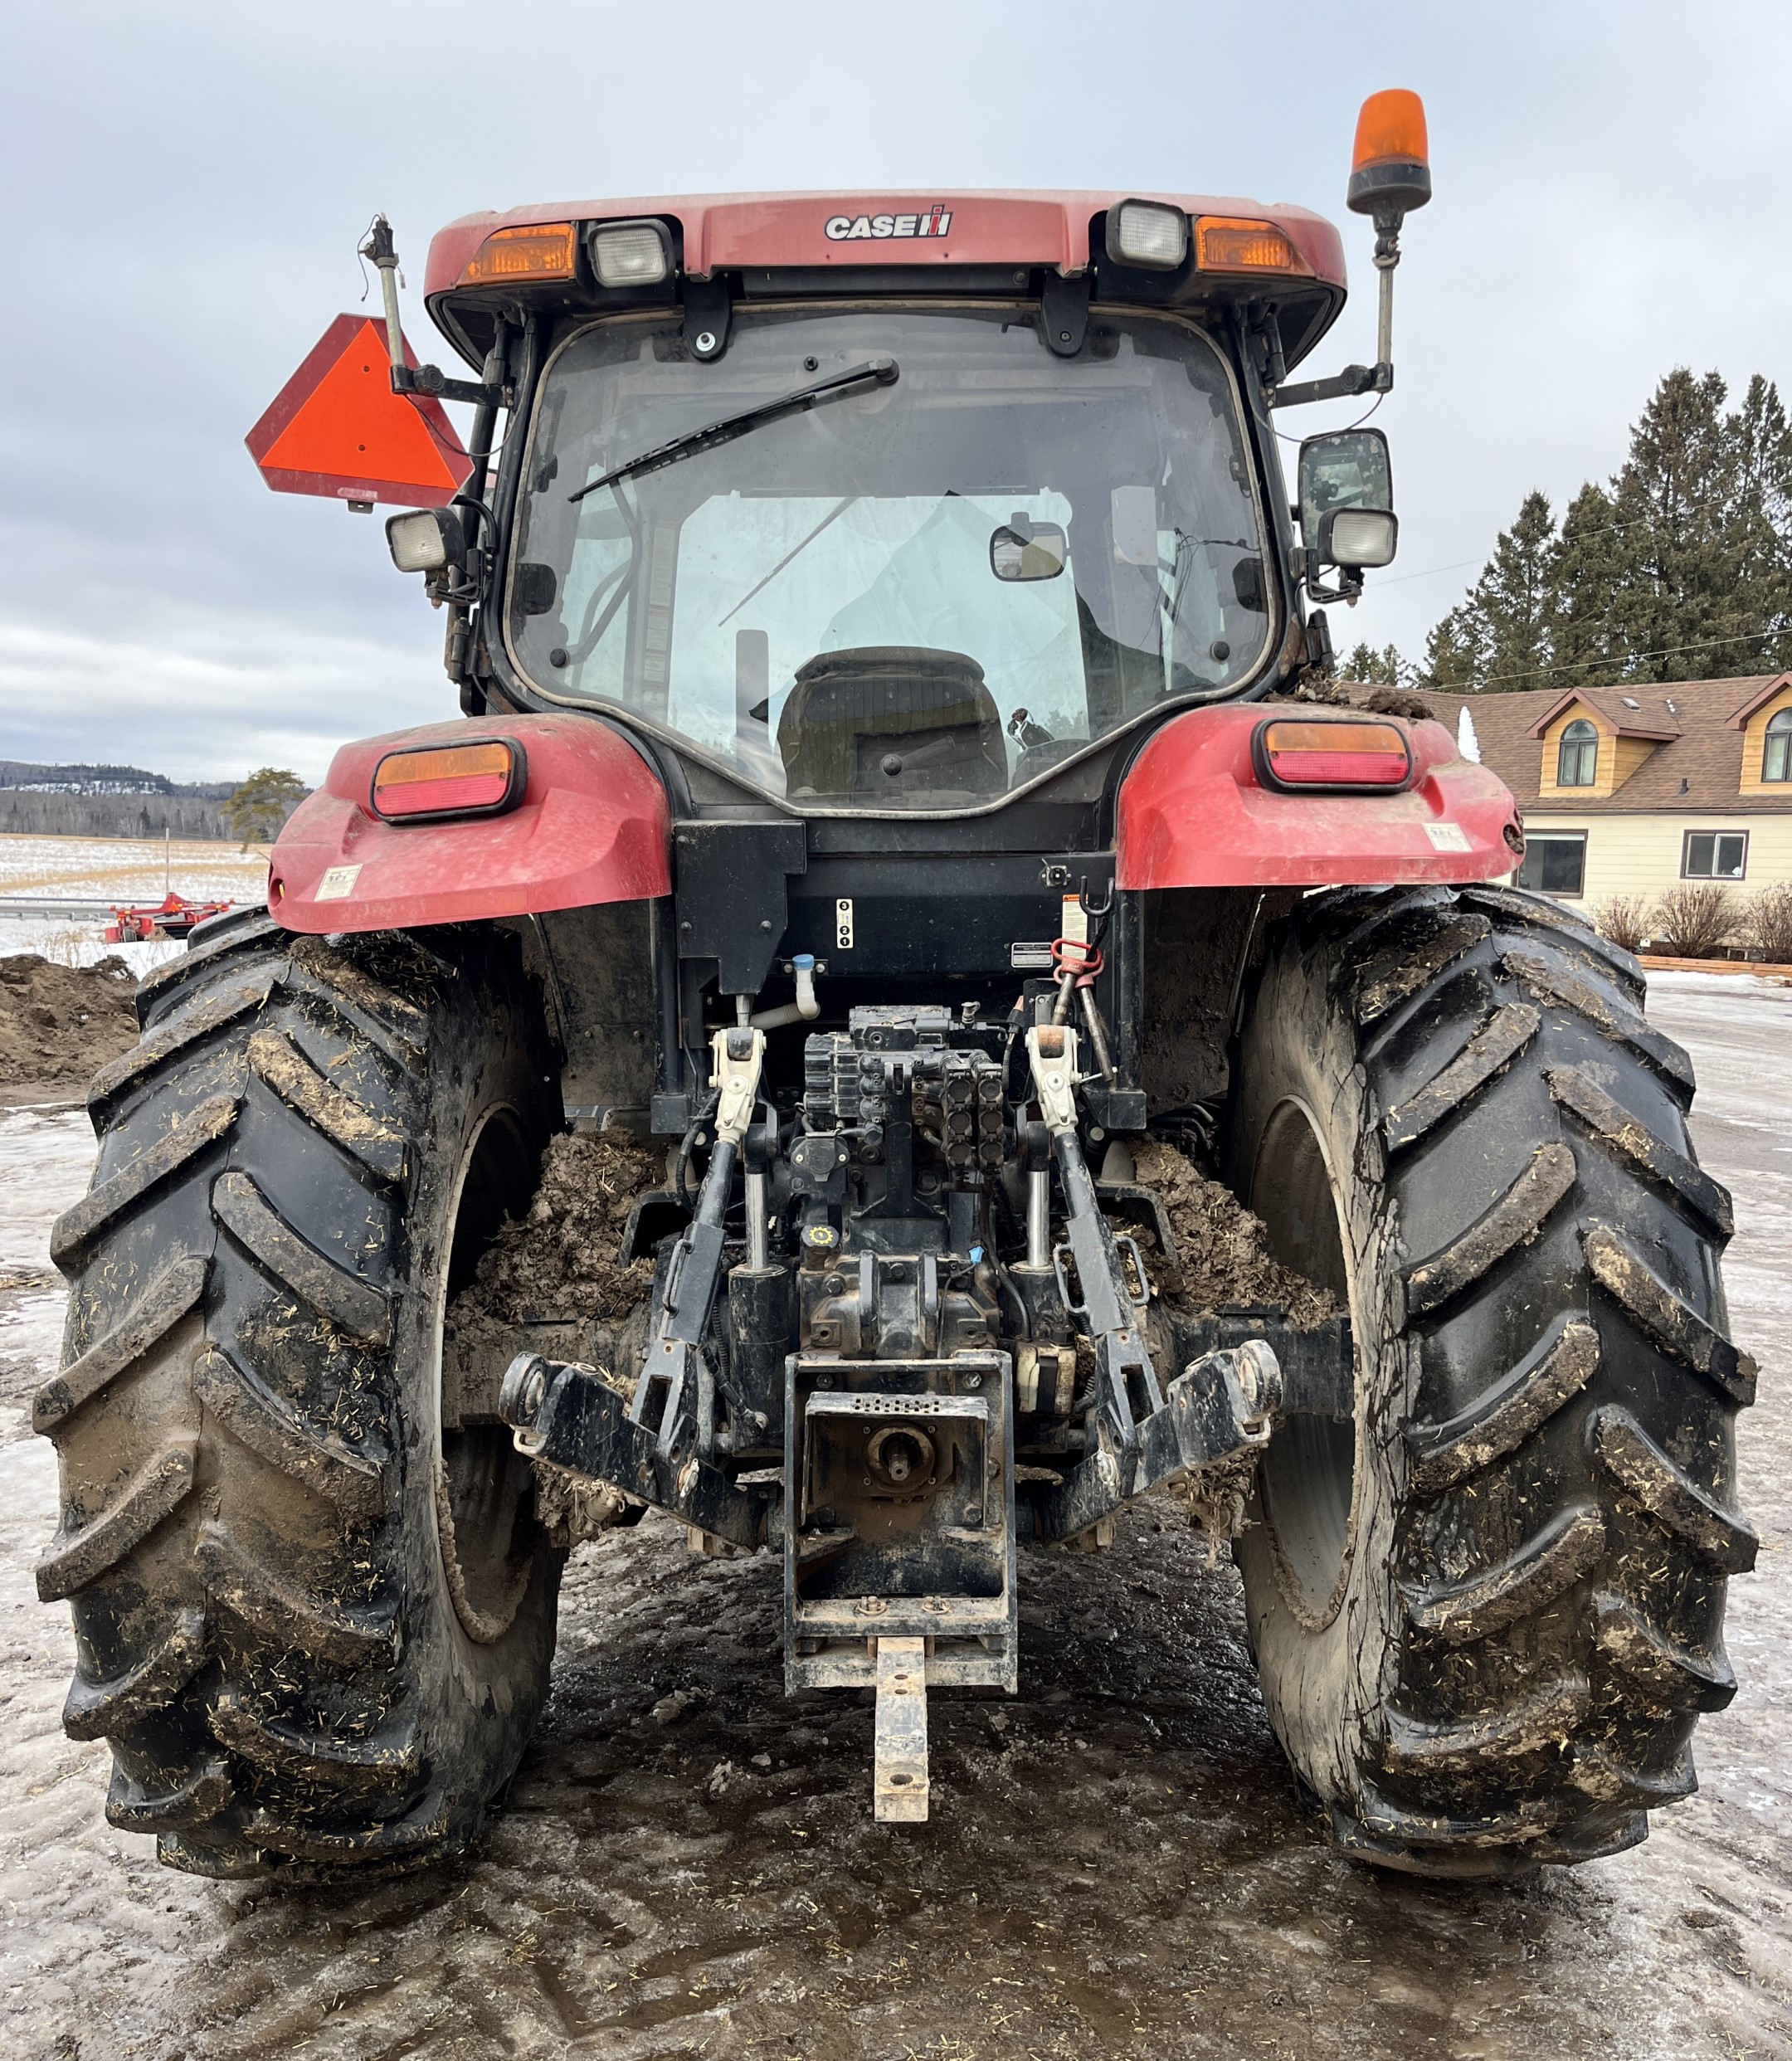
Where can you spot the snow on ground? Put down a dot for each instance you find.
(128, 868)
(70, 943)
(113, 870)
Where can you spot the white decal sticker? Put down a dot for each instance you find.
(843, 925)
(1030, 958)
(338, 884)
(933, 221)
(1447, 837)
(1073, 925)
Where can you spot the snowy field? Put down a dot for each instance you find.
(127, 868)
(113, 870)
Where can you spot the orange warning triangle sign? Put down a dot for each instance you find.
(336, 427)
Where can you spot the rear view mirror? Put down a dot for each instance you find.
(1346, 505)
(1025, 550)
(1347, 469)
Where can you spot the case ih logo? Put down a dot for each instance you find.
(855, 228)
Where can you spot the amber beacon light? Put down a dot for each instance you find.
(1390, 167)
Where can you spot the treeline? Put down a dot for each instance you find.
(85, 800)
(1678, 568)
(40, 814)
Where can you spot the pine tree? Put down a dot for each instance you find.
(1590, 568)
(1384, 668)
(259, 807)
(1680, 568)
(1501, 634)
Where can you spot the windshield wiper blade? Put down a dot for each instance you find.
(881, 372)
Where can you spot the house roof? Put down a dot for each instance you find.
(1696, 768)
(1650, 712)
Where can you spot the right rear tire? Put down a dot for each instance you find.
(1487, 1611)
(315, 1627)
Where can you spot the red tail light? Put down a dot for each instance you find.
(1324, 751)
(481, 779)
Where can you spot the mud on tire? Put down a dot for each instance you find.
(1487, 1613)
(315, 1627)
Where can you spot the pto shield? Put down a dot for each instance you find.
(592, 825)
(1195, 812)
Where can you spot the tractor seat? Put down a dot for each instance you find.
(901, 724)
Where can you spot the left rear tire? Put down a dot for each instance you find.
(315, 1626)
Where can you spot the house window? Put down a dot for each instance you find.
(1714, 855)
(1555, 863)
(1577, 755)
(1776, 760)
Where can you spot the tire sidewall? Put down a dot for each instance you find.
(1325, 1674)
(480, 1698)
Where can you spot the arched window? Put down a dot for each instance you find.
(1776, 760)
(1577, 757)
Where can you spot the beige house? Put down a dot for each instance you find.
(1629, 791)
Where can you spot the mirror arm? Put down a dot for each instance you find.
(1344, 386)
(1357, 379)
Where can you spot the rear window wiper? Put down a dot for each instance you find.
(881, 372)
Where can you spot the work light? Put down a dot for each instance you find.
(630, 254)
(1144, 233)
(424, 539)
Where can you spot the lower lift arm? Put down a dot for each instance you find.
(1140, 1437)
(655, 1447)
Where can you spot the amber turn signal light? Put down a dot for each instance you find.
(542, 250)
(481, 779)
(1291, 753)
(1231, 243)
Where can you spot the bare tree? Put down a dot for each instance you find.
(1625, 920)
(1768, 924)
(1691, 923)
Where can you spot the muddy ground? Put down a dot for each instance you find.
(58, 1024)
(1116, 1864)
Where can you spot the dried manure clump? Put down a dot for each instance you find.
(559, 1263)
(59, 1023)
(551, 1281)
(1222, 1256)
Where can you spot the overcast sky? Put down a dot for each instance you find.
(186, 182)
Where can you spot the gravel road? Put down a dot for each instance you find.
(1116, 1864)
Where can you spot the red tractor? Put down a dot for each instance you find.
(900, 810)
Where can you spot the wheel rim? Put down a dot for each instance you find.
(1307, 1480)
(484, 1486)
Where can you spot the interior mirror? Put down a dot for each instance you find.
(1022, 549)
(1347, 469)
(535, 589)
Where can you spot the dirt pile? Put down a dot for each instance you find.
(59, 1023)
(1223, 1253)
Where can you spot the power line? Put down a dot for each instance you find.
(1561, 536)
(1630, 658)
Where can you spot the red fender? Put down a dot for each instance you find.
(1193, 813)
(593, 826)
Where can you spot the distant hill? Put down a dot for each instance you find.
(107, 801)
